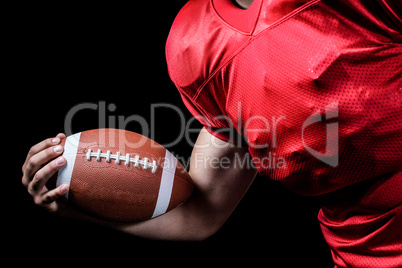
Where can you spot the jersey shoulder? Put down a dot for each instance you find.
(198, 43)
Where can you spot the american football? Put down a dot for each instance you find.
(122, 176)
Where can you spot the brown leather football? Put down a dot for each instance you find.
(122, 176)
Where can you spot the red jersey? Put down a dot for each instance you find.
(315, 89)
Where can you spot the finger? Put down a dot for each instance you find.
(38, 160)
(53, 195)
(44, 174)
(42, 146)
(48, 199)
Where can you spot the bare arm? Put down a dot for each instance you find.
(220, 183)
(219, 188)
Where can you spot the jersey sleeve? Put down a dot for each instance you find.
(218, 125)
(194, 58)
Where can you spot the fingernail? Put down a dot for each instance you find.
(64, 189)
(60, 161)
(58, 149)
(56, 140)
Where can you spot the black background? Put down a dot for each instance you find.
(66, 54)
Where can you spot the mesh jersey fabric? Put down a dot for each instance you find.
(283, 74)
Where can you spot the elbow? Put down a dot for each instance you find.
(203, 234)
(202, 221)
(205, 229)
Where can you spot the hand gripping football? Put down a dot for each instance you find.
(122, 176)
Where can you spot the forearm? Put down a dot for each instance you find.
(218, 189)
(187, 222)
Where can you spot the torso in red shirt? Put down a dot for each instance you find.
(315, 89)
